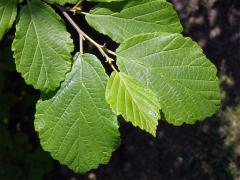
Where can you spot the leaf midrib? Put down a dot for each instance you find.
(129, 89)
(132, 19)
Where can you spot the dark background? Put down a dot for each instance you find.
(206, 150)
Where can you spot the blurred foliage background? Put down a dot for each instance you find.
(207, 150)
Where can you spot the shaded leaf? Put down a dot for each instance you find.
(8, 12)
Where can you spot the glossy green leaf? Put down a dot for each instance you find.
(133, 101)
(8, 12)
(76, 125)
(123, 20)
(42, 47)
(177, 70)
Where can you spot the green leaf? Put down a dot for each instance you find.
(107, 1)
(123, 20)
(134, 102)
(62, 2)
(177, 70)
(8, 12)
(42, 47)
(76, 124)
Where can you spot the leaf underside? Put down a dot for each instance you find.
(177, 70)
(123, 20)
(42, 47)
(76, 125)
(135, 103)
(8, 12)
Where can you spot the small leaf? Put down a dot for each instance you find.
(177, 70)
(135, 103)
(8, 12)
(123, 20)
(76, 124)
(42, 47)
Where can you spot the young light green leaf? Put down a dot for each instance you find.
(177, 70)
(8, 12)
(123, 20)
(42, 47)
(76, 124)
(134, 102)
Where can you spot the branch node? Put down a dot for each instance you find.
(82, 36)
